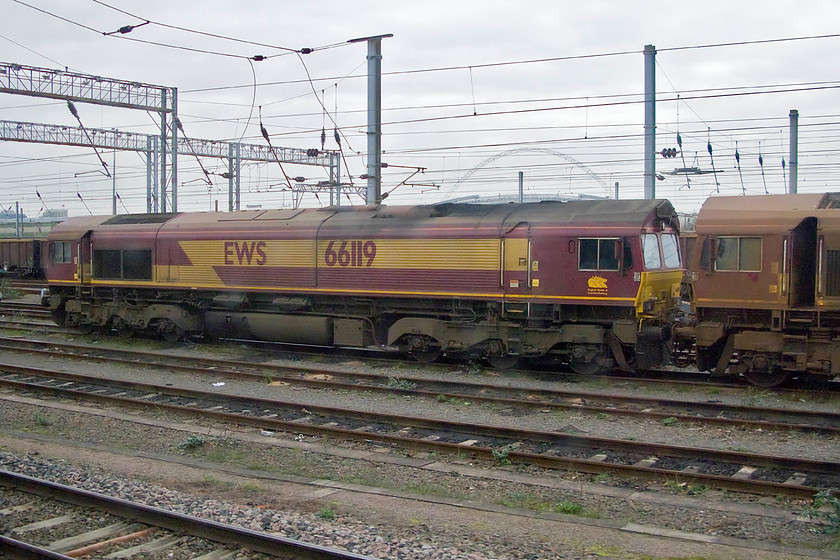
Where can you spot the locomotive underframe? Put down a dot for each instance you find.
(587, 337)
(765, 343)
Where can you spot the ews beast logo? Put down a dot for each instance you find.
(245, 252)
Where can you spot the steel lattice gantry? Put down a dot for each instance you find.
(148, 144)
(86, 88)
(63, 84)
(33, 81)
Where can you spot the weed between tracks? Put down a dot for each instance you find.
(8, 292)
(297, 462)
(43, 425)
(326, 513)
(686, 488)
(826, 512)
(401, 384)
(756, 396)
(536, 503)
(212, 482)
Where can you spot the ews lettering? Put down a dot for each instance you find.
(245, 252)
(350, 253)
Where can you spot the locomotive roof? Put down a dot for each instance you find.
(77, 226)
(621, 213)
(754, 214)
(605, 213)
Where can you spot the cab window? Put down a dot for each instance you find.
(650, 250)
(670, 250)
(738, 254)
(597, 254)
(62, 252)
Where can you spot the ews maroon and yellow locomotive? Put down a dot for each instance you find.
(594, 283)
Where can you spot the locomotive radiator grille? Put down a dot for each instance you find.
(832, 273)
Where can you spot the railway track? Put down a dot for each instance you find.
(24, 308)
(661, 409)
(22, 286)
(36, 318)
(46, 327)
(50, 520)
(746, 472)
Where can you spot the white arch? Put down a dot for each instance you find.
(549, 151)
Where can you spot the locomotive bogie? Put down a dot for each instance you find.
(171, 322)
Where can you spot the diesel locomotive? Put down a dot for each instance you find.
(764, 277)
(594, 284)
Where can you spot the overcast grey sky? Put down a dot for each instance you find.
(479, 88)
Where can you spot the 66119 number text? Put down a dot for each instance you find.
(350, 253)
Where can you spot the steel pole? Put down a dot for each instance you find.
(238, 174)
(162, 189)
(148, 174)
(794, 149)
(374, 167)
(114, 184)
(230, 176)
(650, 122)
(174, 149)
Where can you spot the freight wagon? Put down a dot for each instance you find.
(23, 257)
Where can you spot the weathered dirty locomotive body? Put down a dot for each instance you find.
(593, 283)
(765, 275)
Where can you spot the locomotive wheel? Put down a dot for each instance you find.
(74, 320)
(767, 379)
(170, 331)
(59, 316)
(586, 359)
(498, 356)
(427, 356)
(500, 361)
(424, 349)
(125, 331)
(586, 367)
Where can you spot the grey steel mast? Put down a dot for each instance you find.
(650, 122)
(374, 132)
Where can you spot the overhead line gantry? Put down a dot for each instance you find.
(86, 88)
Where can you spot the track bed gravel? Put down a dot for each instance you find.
(489, 511)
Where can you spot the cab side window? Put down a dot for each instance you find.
(738, 254)
(597, 254)
(62, 252)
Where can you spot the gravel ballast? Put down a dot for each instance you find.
(516, 509)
